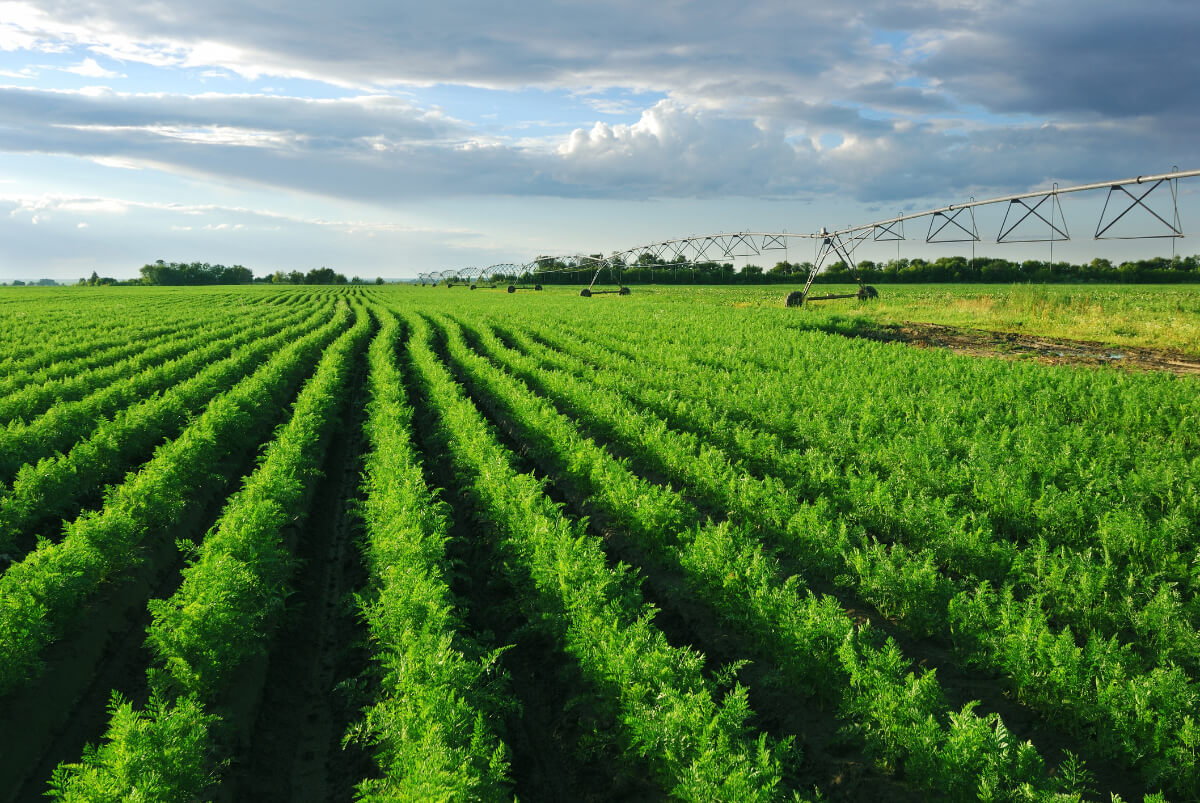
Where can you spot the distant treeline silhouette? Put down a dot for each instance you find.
(162, 273)
(1157, 270)
(191, 273)
(194, 273)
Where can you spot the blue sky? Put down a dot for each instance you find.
(390, 139)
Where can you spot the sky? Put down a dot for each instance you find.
(393, 138)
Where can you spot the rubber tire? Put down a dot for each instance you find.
(586, 293)
(794, 299)
(624, 291)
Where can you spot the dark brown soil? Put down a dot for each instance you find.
(1013, 345)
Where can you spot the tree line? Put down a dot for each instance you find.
(160, 273)
(958, 269)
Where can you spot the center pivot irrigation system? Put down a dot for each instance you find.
(490, 277)
(1030, 217)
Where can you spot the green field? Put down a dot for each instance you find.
(1151, 316)
(429, 543)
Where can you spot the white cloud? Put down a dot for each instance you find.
(205, 134)
(90, 206)
(90, 68)
(704, 52)
(677, 151)
(120, 163)
(612, 106)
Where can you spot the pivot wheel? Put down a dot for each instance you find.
(794, 298)
(867, 291)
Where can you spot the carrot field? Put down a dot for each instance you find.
(435, 543)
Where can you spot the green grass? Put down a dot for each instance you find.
(1150, 316)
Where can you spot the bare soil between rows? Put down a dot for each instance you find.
(1014, 345)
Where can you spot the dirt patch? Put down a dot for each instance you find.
(1014, 345)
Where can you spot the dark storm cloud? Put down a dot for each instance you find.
(1074, 58)
(1070, 90)
(360, 150)
(884, 96)
(330, 166)
(377, 116)
(678, 47)
(394, 153)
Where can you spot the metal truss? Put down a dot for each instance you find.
(1114, 187)
(1134, 202)
(940, 221)
(1030, 217)
(1054, 209)
(705, 248)
(832, 244)
(888, 232)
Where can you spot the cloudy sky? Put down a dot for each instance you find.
(384, 138)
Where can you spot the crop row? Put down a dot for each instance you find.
(902, 717)
(33, 399)
(29, 322)
(700, 749)
(42, 595)
(223, 612)
(56, 487)
(1149, 715)
(68, 349)
(430, 725)
(65, 423)
(1018, 451)
(822, 520)
(1112, 591)
(65, 327)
